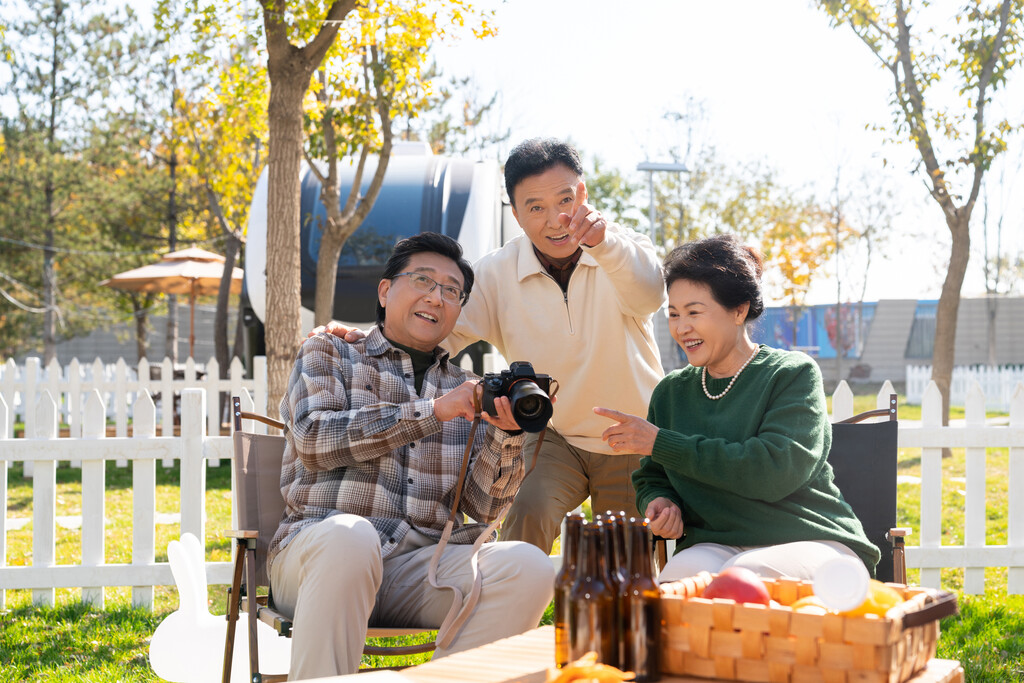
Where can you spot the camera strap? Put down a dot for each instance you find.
(462, 606)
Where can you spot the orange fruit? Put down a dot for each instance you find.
(880, 599)
(811, 604)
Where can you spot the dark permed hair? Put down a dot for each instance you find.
(426, 242)
(731, 270)
(535, 156)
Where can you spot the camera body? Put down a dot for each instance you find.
(527, 391)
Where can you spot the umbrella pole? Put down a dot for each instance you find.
(192, 321)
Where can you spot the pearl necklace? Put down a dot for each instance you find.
(704, 375)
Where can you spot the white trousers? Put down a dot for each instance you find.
(799, 559)
(332, 579)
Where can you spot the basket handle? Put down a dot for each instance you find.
(940, 605)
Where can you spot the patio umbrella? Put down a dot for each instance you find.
(190, 271)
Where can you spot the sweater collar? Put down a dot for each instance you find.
(377, 345)
(528, 264)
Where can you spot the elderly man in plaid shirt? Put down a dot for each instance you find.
(376, 432)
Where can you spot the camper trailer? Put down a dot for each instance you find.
(422, 192)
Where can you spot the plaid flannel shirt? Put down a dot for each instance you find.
(359, 440)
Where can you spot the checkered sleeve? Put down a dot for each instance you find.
(330, 426)
(496, 472)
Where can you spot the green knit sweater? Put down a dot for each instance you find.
(750, 468)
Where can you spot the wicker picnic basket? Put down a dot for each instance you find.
(747, 642)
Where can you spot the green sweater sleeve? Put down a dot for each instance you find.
(768, 443)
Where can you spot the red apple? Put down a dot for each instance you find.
(739, 584)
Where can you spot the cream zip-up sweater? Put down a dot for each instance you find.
(597, 339)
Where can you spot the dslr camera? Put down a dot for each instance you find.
(527, 392)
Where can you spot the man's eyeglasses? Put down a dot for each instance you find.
(422, 283)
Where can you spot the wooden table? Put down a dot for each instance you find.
(526, 658)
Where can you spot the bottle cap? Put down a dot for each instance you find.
(842, 583)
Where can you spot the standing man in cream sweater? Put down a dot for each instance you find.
(574, 296)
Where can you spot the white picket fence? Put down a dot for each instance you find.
(997, 383)
(119, 386)
(975, 554)
(43, 448)
(195, 445)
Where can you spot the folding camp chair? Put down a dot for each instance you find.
(260, 509)
(863, 458)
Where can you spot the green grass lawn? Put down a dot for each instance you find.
(72, 642)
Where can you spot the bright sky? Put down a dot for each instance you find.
(779, 85)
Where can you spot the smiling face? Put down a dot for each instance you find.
(416, 319)
(710, 334)
(538, 201)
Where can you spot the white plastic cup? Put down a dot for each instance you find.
(842, 583)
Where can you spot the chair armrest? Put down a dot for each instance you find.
(899, 558)
(275, 619)
(241, 533)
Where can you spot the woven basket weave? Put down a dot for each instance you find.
(737, 641)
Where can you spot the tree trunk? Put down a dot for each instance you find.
(140, 307)
(49, 294)
(171, 344)
(949, 305)
(238, 350)
(289, 69)
(283, 333)
(220, 319)
(331, 244)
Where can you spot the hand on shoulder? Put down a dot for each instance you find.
(349, 334)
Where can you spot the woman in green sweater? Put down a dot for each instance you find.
(737, 443)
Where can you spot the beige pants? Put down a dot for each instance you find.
(799, 559)
(563, 478)
(332, 578)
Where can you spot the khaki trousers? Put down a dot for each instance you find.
(563, 478)
(332, 579)
(799, 559)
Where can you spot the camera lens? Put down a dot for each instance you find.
(531, 406)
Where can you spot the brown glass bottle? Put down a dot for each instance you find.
(592, 617)
(618, 572)
(564, 581)
(640, 608)
(618, 568)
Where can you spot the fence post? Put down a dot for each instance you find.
(143, 379)
(93, 496)
(121, 403)
(212, 385)
(167, 403)
(1015, 491)
(842, 402)
(143, 498)
(53, 374)
(193, 469)
(44, 497)
(8, 373)
(931, 483)
(882, 400)
(74, 400)
(29, 402)
(4, 412)
(974, 505)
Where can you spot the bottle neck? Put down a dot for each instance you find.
(641, 563)
(593, 551)
(570, 551)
